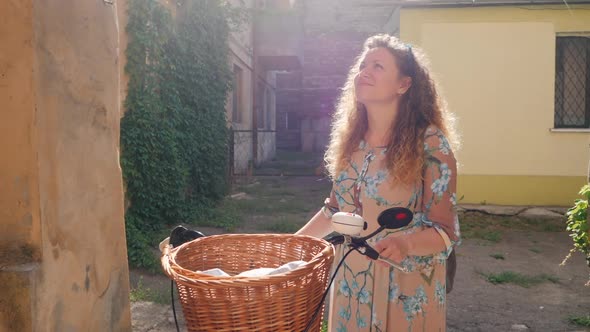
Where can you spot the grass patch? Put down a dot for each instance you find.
(477, 220)
(497, 256)
(291, 163)
(226, 215)
(510, 277)
(142, 293)
(270, 204)
(284, 225)
(551, 227)
(477, 225)
(535, 250)
(493, 236)
(484, 234)
(276, 196)
(583, 321)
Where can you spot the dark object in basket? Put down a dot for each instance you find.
(181, 235)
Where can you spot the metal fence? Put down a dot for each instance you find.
(255, 153)
(248, 149)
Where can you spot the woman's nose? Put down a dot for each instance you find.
(365, 73)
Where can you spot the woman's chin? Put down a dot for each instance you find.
(362, 98)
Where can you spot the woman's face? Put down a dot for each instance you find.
(379, 79)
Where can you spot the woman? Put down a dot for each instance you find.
(390, 146)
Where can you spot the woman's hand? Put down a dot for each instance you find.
(394, 248)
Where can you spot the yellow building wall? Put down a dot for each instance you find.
(496, 69)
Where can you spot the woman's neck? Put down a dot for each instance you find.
(380, 118)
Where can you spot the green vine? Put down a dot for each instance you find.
(174, 132)
(577, 225)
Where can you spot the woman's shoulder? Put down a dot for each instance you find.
(433, 130)
(435, 140)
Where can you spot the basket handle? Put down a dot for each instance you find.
(165, 260)
(326, 251)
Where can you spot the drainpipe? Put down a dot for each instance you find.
(254, 86)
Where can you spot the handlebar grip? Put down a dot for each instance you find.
(371, 253)
(336, 239)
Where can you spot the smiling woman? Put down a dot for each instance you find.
(391, 145)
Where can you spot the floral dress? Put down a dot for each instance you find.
(370, 297)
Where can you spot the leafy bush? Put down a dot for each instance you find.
(174, 132)
(577, 225)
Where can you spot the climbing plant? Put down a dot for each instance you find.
(174, 134)
(578, 226)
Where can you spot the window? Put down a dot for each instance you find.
(236, 113)
(292, 121)
(572, 82)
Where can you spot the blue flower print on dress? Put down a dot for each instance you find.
(364, 296)
(393, 292)
(372, 184)
(341, 327)
(361, 322)
(413, 304)
(376, 321)
(344, 313)
(453, 199)
(445, 147)
(344, 288)
(440, 292)
(440, 185)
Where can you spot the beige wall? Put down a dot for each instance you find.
(61, 201)
(20, 228)
(241, 54)
(496, 67)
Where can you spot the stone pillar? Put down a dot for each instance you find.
(63, 258)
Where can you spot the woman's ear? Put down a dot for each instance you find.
(406, 83)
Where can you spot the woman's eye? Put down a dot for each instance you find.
(362, 66)
(378, 66)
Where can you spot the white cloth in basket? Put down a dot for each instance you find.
(263, 271)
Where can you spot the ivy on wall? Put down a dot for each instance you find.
(174, 133)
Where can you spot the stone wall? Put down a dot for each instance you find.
(63, 252)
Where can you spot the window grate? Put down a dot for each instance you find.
(572, 82)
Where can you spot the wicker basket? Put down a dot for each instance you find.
(283, 302)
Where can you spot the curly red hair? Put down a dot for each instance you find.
(420, 107)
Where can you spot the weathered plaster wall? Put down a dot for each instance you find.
(19, 196)
(63, 250)
(335, 31)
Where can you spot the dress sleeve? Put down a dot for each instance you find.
(331, 204)
(439, 189)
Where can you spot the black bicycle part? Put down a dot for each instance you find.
(181, 235)
(336, 239)
(392, 218)
(178, 236)
(320, 305)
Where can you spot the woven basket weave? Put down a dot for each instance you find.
(283, 302)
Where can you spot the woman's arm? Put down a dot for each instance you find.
(424, 242)
(320, 225)
(438, 205)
